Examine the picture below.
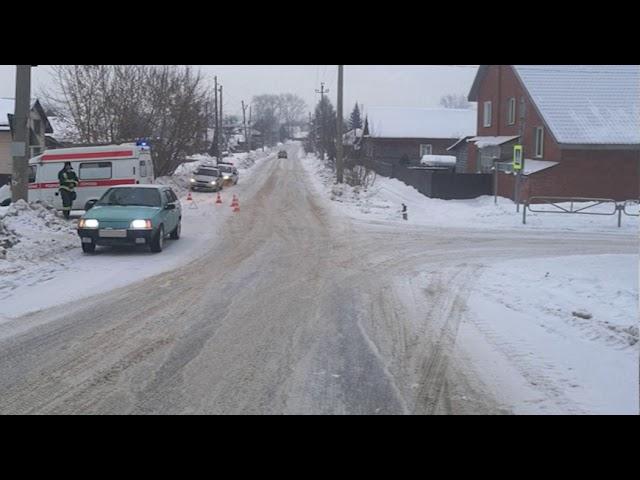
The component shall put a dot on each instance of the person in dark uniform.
(405, 213)
(68, 183)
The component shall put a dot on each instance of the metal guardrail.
(576, 206)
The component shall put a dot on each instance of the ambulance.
(97, 168)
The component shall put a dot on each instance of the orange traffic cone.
(237, 207)
(219, 199)
(234, 202)
(192, 204)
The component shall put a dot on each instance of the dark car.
(283, 154)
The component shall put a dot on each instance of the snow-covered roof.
(482, 142)
(460, 141)
(352, 136)
(63, 129)
(587, 104)
(535, 166)
(6, 109)
(439, 160)
(401, 122)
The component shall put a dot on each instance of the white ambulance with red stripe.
(98, 169)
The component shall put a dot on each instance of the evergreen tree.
(355, 120)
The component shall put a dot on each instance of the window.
(143, 168)
(523, 108)
(173, 196)
(488, 114)
(511, 114)
(140, 197)
(426, 150)
(32, 173)
(539, 142)
(95, 171)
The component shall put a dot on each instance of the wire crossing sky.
(371, 85)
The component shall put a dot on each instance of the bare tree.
(120, 103)
(455, 101)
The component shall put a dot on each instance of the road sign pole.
(518, 166)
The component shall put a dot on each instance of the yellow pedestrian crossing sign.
(517, 158)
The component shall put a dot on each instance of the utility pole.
(339, 146)
(221, 123)
(322, 93)
(19, 147)
(244, 121)
(250, 126)
(216, 133)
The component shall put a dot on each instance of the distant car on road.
(208, 179)
(283, 154)
(229, 173)
(132, 215)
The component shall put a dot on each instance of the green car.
(132, 215)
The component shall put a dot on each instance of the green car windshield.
(128, 197)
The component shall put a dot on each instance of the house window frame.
(487, 114)
(429, 149)
(511, 111)
(539, 142)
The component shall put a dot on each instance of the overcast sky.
(372, 85)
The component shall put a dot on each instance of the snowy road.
(294, 310)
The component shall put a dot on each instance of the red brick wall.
(589, 173)
(499, 85)
(583, 173)
(592, 173)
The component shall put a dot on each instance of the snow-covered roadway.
(293, 309)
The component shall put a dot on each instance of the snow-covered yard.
(41, 263)
(569, 326)
(548, 335)
(383, 202)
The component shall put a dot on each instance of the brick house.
(399, 135)
(579, 126)
(39, 127)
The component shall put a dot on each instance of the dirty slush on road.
(285, 314)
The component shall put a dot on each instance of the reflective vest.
(68, 180)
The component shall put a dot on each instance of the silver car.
(207, 179)
(229, 173)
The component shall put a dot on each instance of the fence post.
(524, 212)
(619, 208)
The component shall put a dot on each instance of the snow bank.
(44, 265)
(21, 238)
(569, 324)
(384, 199)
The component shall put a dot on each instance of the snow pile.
(570, 324)
(30, 234)
(383, 201)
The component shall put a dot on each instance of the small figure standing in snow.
(68, 183)
(405, 213)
